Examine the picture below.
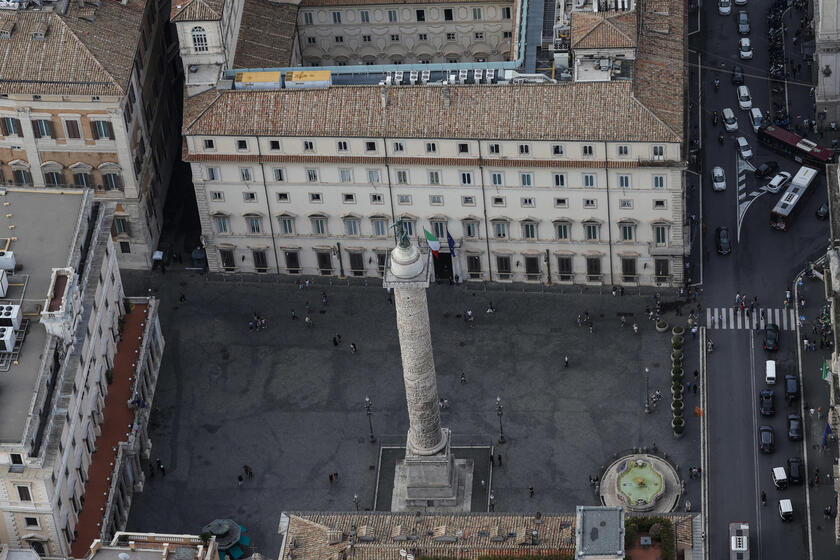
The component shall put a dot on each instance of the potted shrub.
(677, 357)
(677, 341)
(678, 425)
(661, 326)
(677, 377)
(677, 330)
(677, 406)
(676, 387)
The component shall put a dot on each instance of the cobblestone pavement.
(289, 403)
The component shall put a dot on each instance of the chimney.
(447, 96)
(383, 96)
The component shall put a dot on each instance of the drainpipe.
(484, 209)
(340, 262)
(268, 205)
(609, 212)
(390, 193)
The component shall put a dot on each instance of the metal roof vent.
(6, 29)
(40, 31)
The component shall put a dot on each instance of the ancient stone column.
(424, 433)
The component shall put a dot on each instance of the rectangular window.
(590, 203)
(42, 128)
(503, 266)
(479, 35)
(339, 39)
(628, 269)
(409, 227)
(241, 144)
(624, 181)
(593, 269)
(623, 150)
(348, 198)
(249, 196)
(395, 37)
(228, 262)
(319, 226)
(260, 261)
(526, 179)
(370, 146)
(421, 15)
(527, 202)
(380, 227)
(254, 224)
(209, 144)
(422, 37)
(466, 177)
(24, 494)
(561, 202)
(287, 225)
(659, 205)
(659, 181)
(403, 199)
(625, 204)
(471, 229)
(660, 234)
(279, 175)
(463, 148)
(245, 174)
(282, 197)
(308, 146)
(467, 201)
(221, 223)
(559, 179)
(399, 147)
(373, 176)
(495, 149)
(500, 229)
(476, 13)
(661, 269)
(524, 149)
(341, 145)
(447, 14)
(436, 199)
(336, 17)
(431, 147)
(307, 18)
(392, 16)
(498, 201)
(364, 16)
(497, 178)
(125, 247)
(351, 227)
(345, 175)
(627, 232)
(590, 232)
(434, 177)
(312, 175)
(121, 225)
(213, 174)
(557, 149)
(529, 230)
(659, 153)
(562, 230)
(315, 198)
(402, 176)
(274, 145)
(310, 40)
(450, 36)
(102, 130)
(439, 229)
(588, 180)
(587, 150)
(564, 268)
(31, 522)
(366, 39)
(376, 198)
(73, 130)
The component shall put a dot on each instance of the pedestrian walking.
(324, 298)
(331, 478)
(579, 320)
(335, 341)
(183, 298)
(352, 347)
(827, 512)
(695, 374)
(694, 332)
(805, 342)
(335, 476)
(694, 388)
(566, 361)
(239, 480)
(248, 471)
(500, 459)
(483, 484)
(492, 460)
(307, 321)
(530, 491)
(463, 378)
(294, 315)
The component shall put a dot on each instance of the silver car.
(744, 148)
(730, 123)
(724, 7)
(778, 182)
(745, 48)
(718, 179)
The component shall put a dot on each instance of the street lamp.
(500, 412)
(369, 410)
(356, 501)
(647, 392)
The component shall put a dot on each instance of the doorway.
(443, 267)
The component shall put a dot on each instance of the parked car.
(756, 118)
(718, 179)
(744, 98)
(766, 439)
(766, 169)
(778, 182)
(730, 123)
(724, 7)
(771, 337)
(794, 467)
(724, 246)
(737, 75)
(794, 423)
(740, 2)
(745, 48)
(744, 148)
(767, 402)
(743, 20)
(791, 388)
(822, 211)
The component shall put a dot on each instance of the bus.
(801, 149)
(792, 199)
(739, 541)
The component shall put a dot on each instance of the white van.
(770, 372)
(756, 118)
(786, 510)
(780, 479)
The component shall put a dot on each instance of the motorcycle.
(710, 346)
(715, 118)
(721, 138)
(716, 83)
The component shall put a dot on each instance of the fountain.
(641, 483)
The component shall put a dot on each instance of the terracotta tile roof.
(597, 111)
(661, 65)
(383, 535)
(265, 34)
(612, 30)
(87, 51)
(319, 3)
(196, 10)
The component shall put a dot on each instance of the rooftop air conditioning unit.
(4, 283)
(477, 75)
(7, 339)
(7, 260)
(491, 73)
(10, 316)
(424, 76)
(412, 77)
(398, 77)
(462, 76)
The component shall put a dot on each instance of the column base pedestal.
(433, 483)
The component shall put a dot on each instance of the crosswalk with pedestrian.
(729, 318)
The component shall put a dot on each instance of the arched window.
(199, 38)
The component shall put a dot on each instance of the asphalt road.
(763, 263)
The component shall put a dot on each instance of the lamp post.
(369, 410)
(500, 412)
(647, 392)
(356, 501)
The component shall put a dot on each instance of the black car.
(794, 465)
(791, 388)
(766, 169)
(743, 20)
(771, 336)
(822, 211)
(766, 439)
(724, 247)
(794, 427)
(737, 75)
(767, 402)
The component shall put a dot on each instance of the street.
(763, 263)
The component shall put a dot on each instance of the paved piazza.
(289, 404)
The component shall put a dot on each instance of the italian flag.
(433, 242)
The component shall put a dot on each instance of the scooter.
(714, 118)
(721, 138)
(710, 346)
(716, 84)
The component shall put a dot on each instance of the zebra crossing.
(729, 318)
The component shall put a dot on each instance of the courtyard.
(290, 404)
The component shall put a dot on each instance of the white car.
(745, 48)
(744, 98)
(778, 182)
(740, 2)
(718, 179)
(724, 7)
(730, 123)
(743, 147)
(756, 118)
